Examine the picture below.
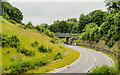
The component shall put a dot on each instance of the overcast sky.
(47, 11)
(56, 0)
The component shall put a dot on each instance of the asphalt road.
(87, 61)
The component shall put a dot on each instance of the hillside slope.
(10, 56)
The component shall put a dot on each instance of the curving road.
(88, 60)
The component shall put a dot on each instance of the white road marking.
(90, 67)
(108, 57)
(68, 66)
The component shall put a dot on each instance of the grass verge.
(70, 58)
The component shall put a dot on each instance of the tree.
(70, 25)
(83, 20)
(97, 16)
(104, 28)
(117, 26)
(75, 28)
(53, 28)
(59, 26)
(10, 12)
(72, 19)
(112, 4)
(91, 32)
(44, 25)
(39, 28)
(29, 25)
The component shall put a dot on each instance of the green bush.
(26, 51)
(42, 48)
(49, 49)
(24, 66)
(54, 41)
(104, 69)
(29, 25)
(39, 28)
(47, 32)
(50, 34)
(35, 43)
(110, 44)
(76, 41)
(12, 41)
(58, 56)
(12, 21)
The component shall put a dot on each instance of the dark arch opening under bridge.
(69, 37)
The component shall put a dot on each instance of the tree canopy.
(11, 13)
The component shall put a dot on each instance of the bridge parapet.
(69, 37)
(66, 35)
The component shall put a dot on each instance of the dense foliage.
(11, 41)
(42, 48)
(95, 25)
(11, 13)
(58, 56)
(26, 51)
(35, 43)
(24, 66)
(104, 70)
(62, 26)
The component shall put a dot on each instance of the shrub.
(39, 28)
(53, 41)
(29, 25)
(104, 69)
(12, 21)
(49, 49)
(12, 41)
(50, 34)
(110, 44)
(35, 43)
(22, 66)
(76, 41)
(47, 32)
(26, 51)
(44, 49)
(58, 56)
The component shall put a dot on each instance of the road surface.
(87, 61)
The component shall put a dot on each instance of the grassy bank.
(70, 58)
(10, 56)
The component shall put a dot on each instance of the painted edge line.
(63, 68)
(90, 67)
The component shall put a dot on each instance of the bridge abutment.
(69, 37)
(69, 40)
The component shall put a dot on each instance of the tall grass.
(27, 37)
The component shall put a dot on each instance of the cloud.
(47, 12)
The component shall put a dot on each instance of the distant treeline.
(93, 26)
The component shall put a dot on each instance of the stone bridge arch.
(69, 37)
